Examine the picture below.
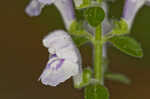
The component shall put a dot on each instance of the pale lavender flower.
(131, 8)
(64, 61)
(65, 7)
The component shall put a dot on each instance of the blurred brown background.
(22, 56)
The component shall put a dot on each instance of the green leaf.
(127, 45)
(79, 35)
(121, 28)
(76, 28)
(96, 91)
(117, 77)
(94, 15)
(80, 40)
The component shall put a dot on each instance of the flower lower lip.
(61, 61)
(60, 64)
(49, 64)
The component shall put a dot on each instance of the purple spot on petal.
(49, 64)
(53, 55)
(60, 64)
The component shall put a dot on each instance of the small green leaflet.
(96, 91)
(79, 40)
(79, 35)
(76, 28)
(127, 45)
(120, 28)
(94, 16)
(117, 77)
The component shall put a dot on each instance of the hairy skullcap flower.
(64, 60)
(65, 7)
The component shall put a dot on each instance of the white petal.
(69, 52)
(52, 76)
(56, 39)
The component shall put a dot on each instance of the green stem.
(98, 55)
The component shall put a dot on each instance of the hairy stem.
(98, 55)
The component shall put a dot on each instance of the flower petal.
(70, 53)
(60, 42)
(34, 8)
(65, 7)
(61, 46)
(57, 71)
(55, 38)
